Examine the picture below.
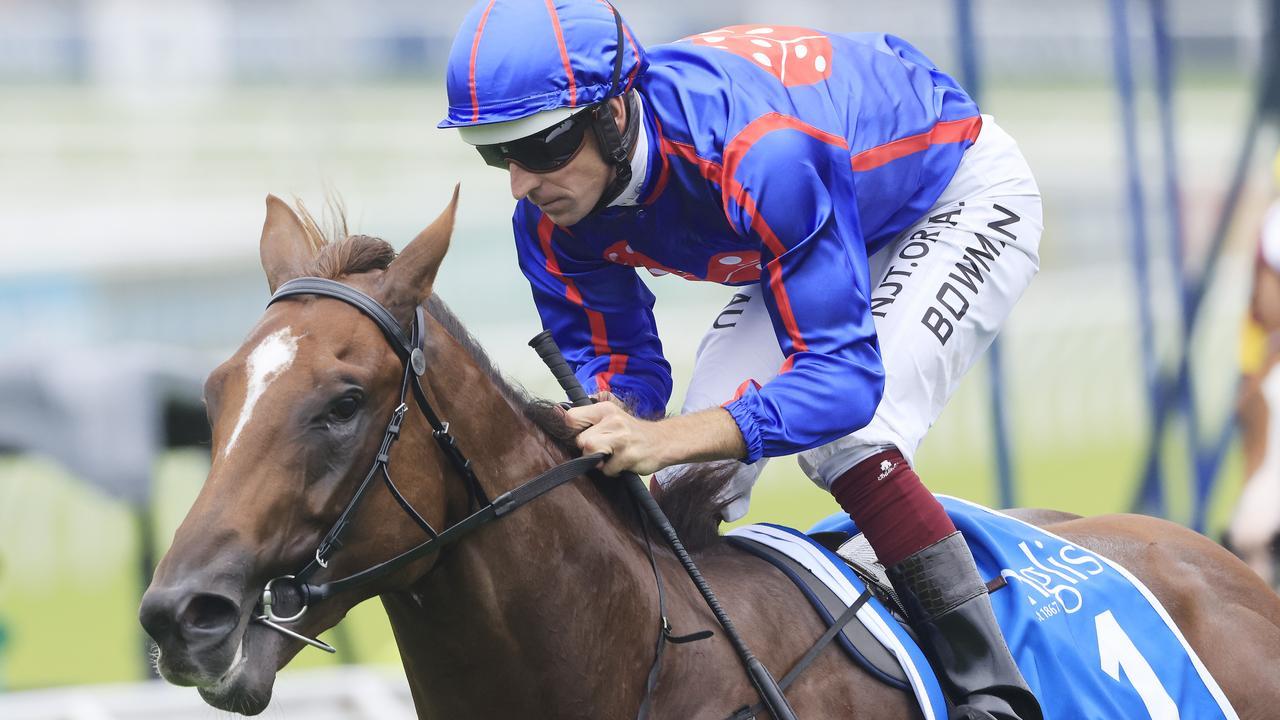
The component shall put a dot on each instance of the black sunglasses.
(543, 151)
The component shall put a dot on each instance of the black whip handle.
(546, 347)
(766, 685)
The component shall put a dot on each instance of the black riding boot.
(947, 604)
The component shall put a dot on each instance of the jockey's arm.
(645, 446)
(792, 191)
(600, 314)
(814, 283)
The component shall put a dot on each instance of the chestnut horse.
(551, 611)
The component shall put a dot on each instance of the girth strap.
(812, 654)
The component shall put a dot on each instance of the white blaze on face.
(272, 357)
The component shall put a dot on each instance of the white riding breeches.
(941, 290)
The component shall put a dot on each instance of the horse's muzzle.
(196, 631)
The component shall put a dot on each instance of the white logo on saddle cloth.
(1056, 576)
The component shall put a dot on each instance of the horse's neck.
(547, 607)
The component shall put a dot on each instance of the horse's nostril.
(209, 615)
(156, 615)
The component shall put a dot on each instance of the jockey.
(876, 229)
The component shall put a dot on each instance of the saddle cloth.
(1090, 638)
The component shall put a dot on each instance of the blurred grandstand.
(138, 139)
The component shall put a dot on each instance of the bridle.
(410, 351)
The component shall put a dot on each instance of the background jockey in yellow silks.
(1255, 525)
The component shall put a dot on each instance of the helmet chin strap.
(616, 147)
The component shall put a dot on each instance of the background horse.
(551, 612)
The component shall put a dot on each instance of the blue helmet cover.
(514, 58)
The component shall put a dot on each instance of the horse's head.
(298, 414)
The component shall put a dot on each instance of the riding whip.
(766, 685)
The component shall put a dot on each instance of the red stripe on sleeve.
(617, 366)
(709, 170)
(742, 390)
(736, 148)
(732, 189)
(475, 47)
(942, 133)
(564, 54)
(741, 144)
(776, 286)
(599, 335)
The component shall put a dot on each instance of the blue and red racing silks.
(777, 155)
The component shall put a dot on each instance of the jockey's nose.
(522, 181)
(193, 618)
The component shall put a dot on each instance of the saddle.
(855, 637)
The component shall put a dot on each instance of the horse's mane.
(691, 500)
(337, 251)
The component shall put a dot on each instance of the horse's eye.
(345, 408)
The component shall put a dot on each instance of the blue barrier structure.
(1169, 385)
(1172, 393)
(1152, 484)
(971, 79)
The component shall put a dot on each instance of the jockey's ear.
(285, 248)
(619, 106)
(410, 277)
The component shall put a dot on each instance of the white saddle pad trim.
(821, 566)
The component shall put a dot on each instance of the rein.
(410, 351)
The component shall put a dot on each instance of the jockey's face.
(566, 195)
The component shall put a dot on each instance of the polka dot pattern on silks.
(794, 55)
(729, 268)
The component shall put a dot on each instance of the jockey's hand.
(602, 396)
(631, 443)
(644, 446)
(606, 396)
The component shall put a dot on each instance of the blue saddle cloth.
(1090, 638)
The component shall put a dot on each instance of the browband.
(372, 308)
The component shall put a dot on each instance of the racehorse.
(551, 611)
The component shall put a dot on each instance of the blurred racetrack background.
(138, 140)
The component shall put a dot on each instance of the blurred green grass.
(69, 580)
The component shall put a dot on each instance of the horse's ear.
(413, 272)
(284, 247)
